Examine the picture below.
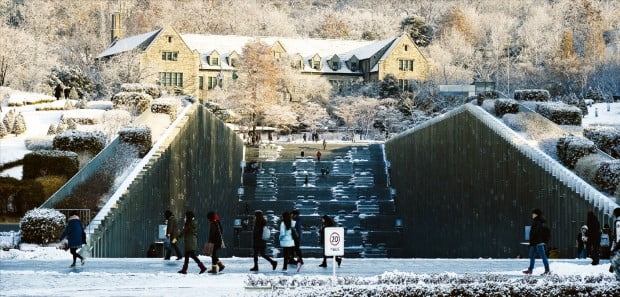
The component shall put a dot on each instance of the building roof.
(140, 42)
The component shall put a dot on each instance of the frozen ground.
(46, 272)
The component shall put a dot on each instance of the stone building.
(197, 63)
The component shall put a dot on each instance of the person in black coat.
(58, 91)
(582, 240)
(215, 237)
(298, 229)
(74, 233)
(594, 237)
(172, 234)
(258, 243)
(537, 242)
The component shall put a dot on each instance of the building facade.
(196, 64)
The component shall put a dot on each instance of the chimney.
(117, 26)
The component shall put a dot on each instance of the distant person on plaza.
(537, 242)
(304, 136)
(594, 237)
(58, 91)
(297, 249)
(606, 242)
(74, 233)
(67, 91)
(286, 239)
(302, 153)
(258, 243)
(582, 240)
(327, 222)
(318, 156)
(215, 237)
(172, 234)
(190, 233)
(324, 144)
(615, 246)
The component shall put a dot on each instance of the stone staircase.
(350, 186)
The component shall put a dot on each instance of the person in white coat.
(286, 238)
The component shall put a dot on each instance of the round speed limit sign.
(334, 241)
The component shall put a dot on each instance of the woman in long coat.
(258, 243)
(215, 237)
(327, 222)
(594, 237)
(189, 233)
(73, 233)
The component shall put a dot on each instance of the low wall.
(195, 166)
(466, 184)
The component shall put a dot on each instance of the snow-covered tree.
(9, 119)
(3, 130)
(68, 105)
(61, 128)
(51, 130)
(114, 120)
(19, 126)
(71, 124)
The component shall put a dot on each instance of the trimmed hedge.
(79, 141)
(139, 136)
(54, 162)
(504, 106)
(168, 106)
(608, 176)
(572, 148)
(532, 95)
(151, 89)
(606, 138)
(42, 225)
(138, 102)
(560, 113)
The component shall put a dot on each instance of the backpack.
(604, 240)
(546, 233)
(266, 233)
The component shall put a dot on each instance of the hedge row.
(46, 162)
(572, 148)
(504, 106)
(532, 95)
(82, 119)
(80, 141)
(608, 176)
(138, 102)
(42, 225)
(606, 138)
(560, 113)
(168, 106)
(152, 89)
(139, 136)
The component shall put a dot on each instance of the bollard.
(596, 112)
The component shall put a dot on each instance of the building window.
(201, 82)
(277, 55)
(169, 39)
(405, 65)
(335, 65)
(211, 82)
(233, 62)
(405, 84)
(215, 61)
(171, 79)
(406, 47)
(298, 64)
(353, 66)
(316, 64)
(169, 56)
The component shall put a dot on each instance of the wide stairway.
(354, 193)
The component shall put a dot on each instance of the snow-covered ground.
(604, 118)
(46, 272)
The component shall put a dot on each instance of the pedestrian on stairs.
(318, 156)
(74, 233)
(216, 238)
(259, 242)
(327, 222)
(189, 233)
(286, 239)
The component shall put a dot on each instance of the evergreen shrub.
(139, 136)
(606, 138)
(532, 95)
(80, 141)
(572, 148)
(504, 106)
(560, 113)
(42, 225)
(50, 162)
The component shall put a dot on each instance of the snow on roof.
(129, 43)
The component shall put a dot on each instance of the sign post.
(334, 244)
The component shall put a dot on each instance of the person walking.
(537, 242)
(58, 91)
(302, 154)
(594, 237)
(171, 236)
(298, 229)
(318, 156)
(66, 92)
(606, 242)
(259, 243)
(189, 233)
(327, 222)
(615, 245)
(215, 237)
(286, 239)
(324, 144)
(74, 233)
(582, 240)
(305, 137)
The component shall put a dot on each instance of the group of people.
(59, 91)
(591, 241)
(189, 233)
(290, 239)
(318, 155)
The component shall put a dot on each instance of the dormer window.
(298, 64)
(316, 64)
(353, 66)
(233, 62)
(335, 65)
(215, 61)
